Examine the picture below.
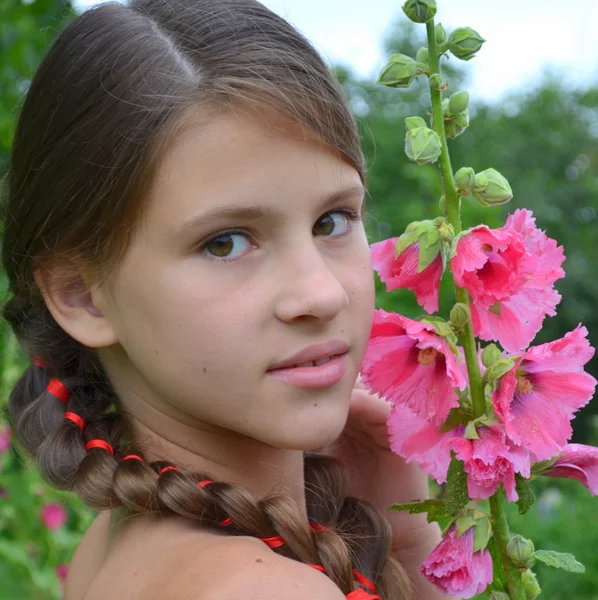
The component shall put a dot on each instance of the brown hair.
(112, 93)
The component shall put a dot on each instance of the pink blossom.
(580, 462)
(490, 460)
(455, 568)
(537, 399)
(401, 272)
(61, 571)
(53, 515)
(407, 362)
(509, 273)
(416, 439)
(4, 439)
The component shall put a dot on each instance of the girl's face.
(207, 301)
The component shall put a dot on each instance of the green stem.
(454, 217)
(500, 530)
(453, 202)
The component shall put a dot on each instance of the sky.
(524, 37)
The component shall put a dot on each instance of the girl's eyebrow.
(258, 211)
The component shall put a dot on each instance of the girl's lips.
(325, 375)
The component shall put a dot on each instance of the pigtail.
(345, 538)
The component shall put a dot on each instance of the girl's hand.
(376, 474)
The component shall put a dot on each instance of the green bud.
(464, 42)
(490, 355)
(420, 11)
(422, 145)
(422, 55)
(460, 315)
(490, 188)
(530, 585)
(464, 179)
(458, 102)
(520, 551)
(413, 122)
(462, 120)
(443, 205)
(399, 72)
(498, 596)
(440, 34)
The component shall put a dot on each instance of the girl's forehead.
(236, 157)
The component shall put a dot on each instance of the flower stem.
(453, 202)
(500, 530)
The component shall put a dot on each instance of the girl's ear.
(80, 309)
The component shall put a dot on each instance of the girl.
(191, 278)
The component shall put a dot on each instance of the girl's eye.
(222, 247)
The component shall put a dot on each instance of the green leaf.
(526, 494)
(559, 560)
(457, 495)
(436, 509)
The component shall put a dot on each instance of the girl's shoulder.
(121, 554)
(145, 558)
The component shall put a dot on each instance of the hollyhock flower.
(490, 460)
(416, 439)
(580, 462)
(4, 439)
(407, 362)
(455, 569)
(61, 571)
(53, 515)
(536, 400)
(509, 273)
(401, 272)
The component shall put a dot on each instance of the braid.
(84, 448)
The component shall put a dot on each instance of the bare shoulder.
(243, 568)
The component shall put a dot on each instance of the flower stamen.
(524, 386)
(427, 356)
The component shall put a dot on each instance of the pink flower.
(491, 460)
(455, 569)
(580, 462)
(407, 362)
(4, 439)
(61, 572)
(509, 273)
(416, 439)
(537, 399)
(53, 515)
(401, 272)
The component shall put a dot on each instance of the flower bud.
(422, 55)
(498, 596)
(420, 11)
(422, 145)
(491, 188)
(464, 42)
(464, 179)
(462, 120)
(443, 205)
(399, 72)
(458, 102)
(440, 34)
(520, 551)
(460, 315)
(490, 355)
(530, 585)
(413, 122)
